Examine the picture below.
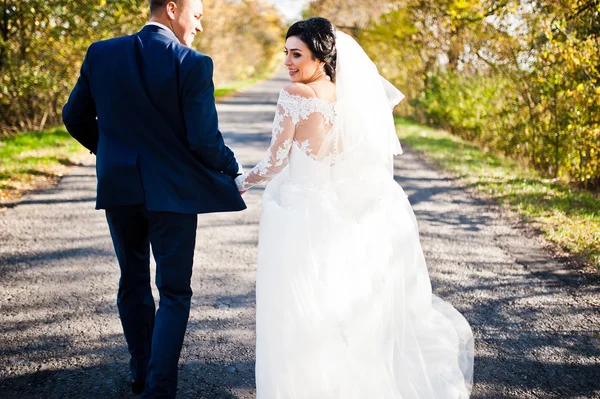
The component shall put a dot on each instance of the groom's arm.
(201, 121)
(79, 113)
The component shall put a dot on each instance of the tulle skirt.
(344, 302)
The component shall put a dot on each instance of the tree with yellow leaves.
(520, 77)
(43, 42)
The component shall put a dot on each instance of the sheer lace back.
(314, 119)
(306, 122)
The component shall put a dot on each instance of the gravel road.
(536, 323)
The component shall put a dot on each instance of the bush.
(43, 43)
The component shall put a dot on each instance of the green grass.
(34, 160)
(232, 88)
(567, 216)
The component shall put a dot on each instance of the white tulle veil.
(364, 105)
(366, 133)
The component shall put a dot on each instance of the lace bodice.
(307, 122)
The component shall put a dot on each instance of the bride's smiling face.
(302, 66)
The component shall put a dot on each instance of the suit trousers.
(154, 339)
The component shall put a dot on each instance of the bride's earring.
(322, 67)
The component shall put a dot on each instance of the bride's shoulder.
(300, 90)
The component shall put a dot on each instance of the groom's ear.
(171, 7)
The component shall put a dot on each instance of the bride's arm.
(284, 129)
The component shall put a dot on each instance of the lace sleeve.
(284, 127)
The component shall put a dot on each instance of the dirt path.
(537, 328)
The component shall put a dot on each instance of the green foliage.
(41, 48)
(521, 78)
(43, 43)
(465, 105)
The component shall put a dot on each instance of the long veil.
(366, 133)
(432, 344)
(364, 105)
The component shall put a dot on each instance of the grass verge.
(35, 160)
(232, 88)
(567, 216)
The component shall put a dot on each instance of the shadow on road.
(110, 380)
(65, 339)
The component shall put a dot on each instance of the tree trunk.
(43, 121)
(4, 33)
(556, 132)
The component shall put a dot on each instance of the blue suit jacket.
(144, 104)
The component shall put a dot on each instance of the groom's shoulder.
(192, 56)
(193, 60)
(109, 44)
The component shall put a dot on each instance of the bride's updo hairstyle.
(319, 35)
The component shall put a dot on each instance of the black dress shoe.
(137, 387)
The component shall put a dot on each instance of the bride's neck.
(318, 77)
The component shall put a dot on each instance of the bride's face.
(302, 66)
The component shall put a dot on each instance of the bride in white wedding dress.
(344, 302)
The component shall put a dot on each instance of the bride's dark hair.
(319, 35)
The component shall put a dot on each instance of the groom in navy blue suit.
(144, 104)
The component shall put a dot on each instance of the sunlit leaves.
(522, 77)
(244, 38)
(43, 42)
(42, 46)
